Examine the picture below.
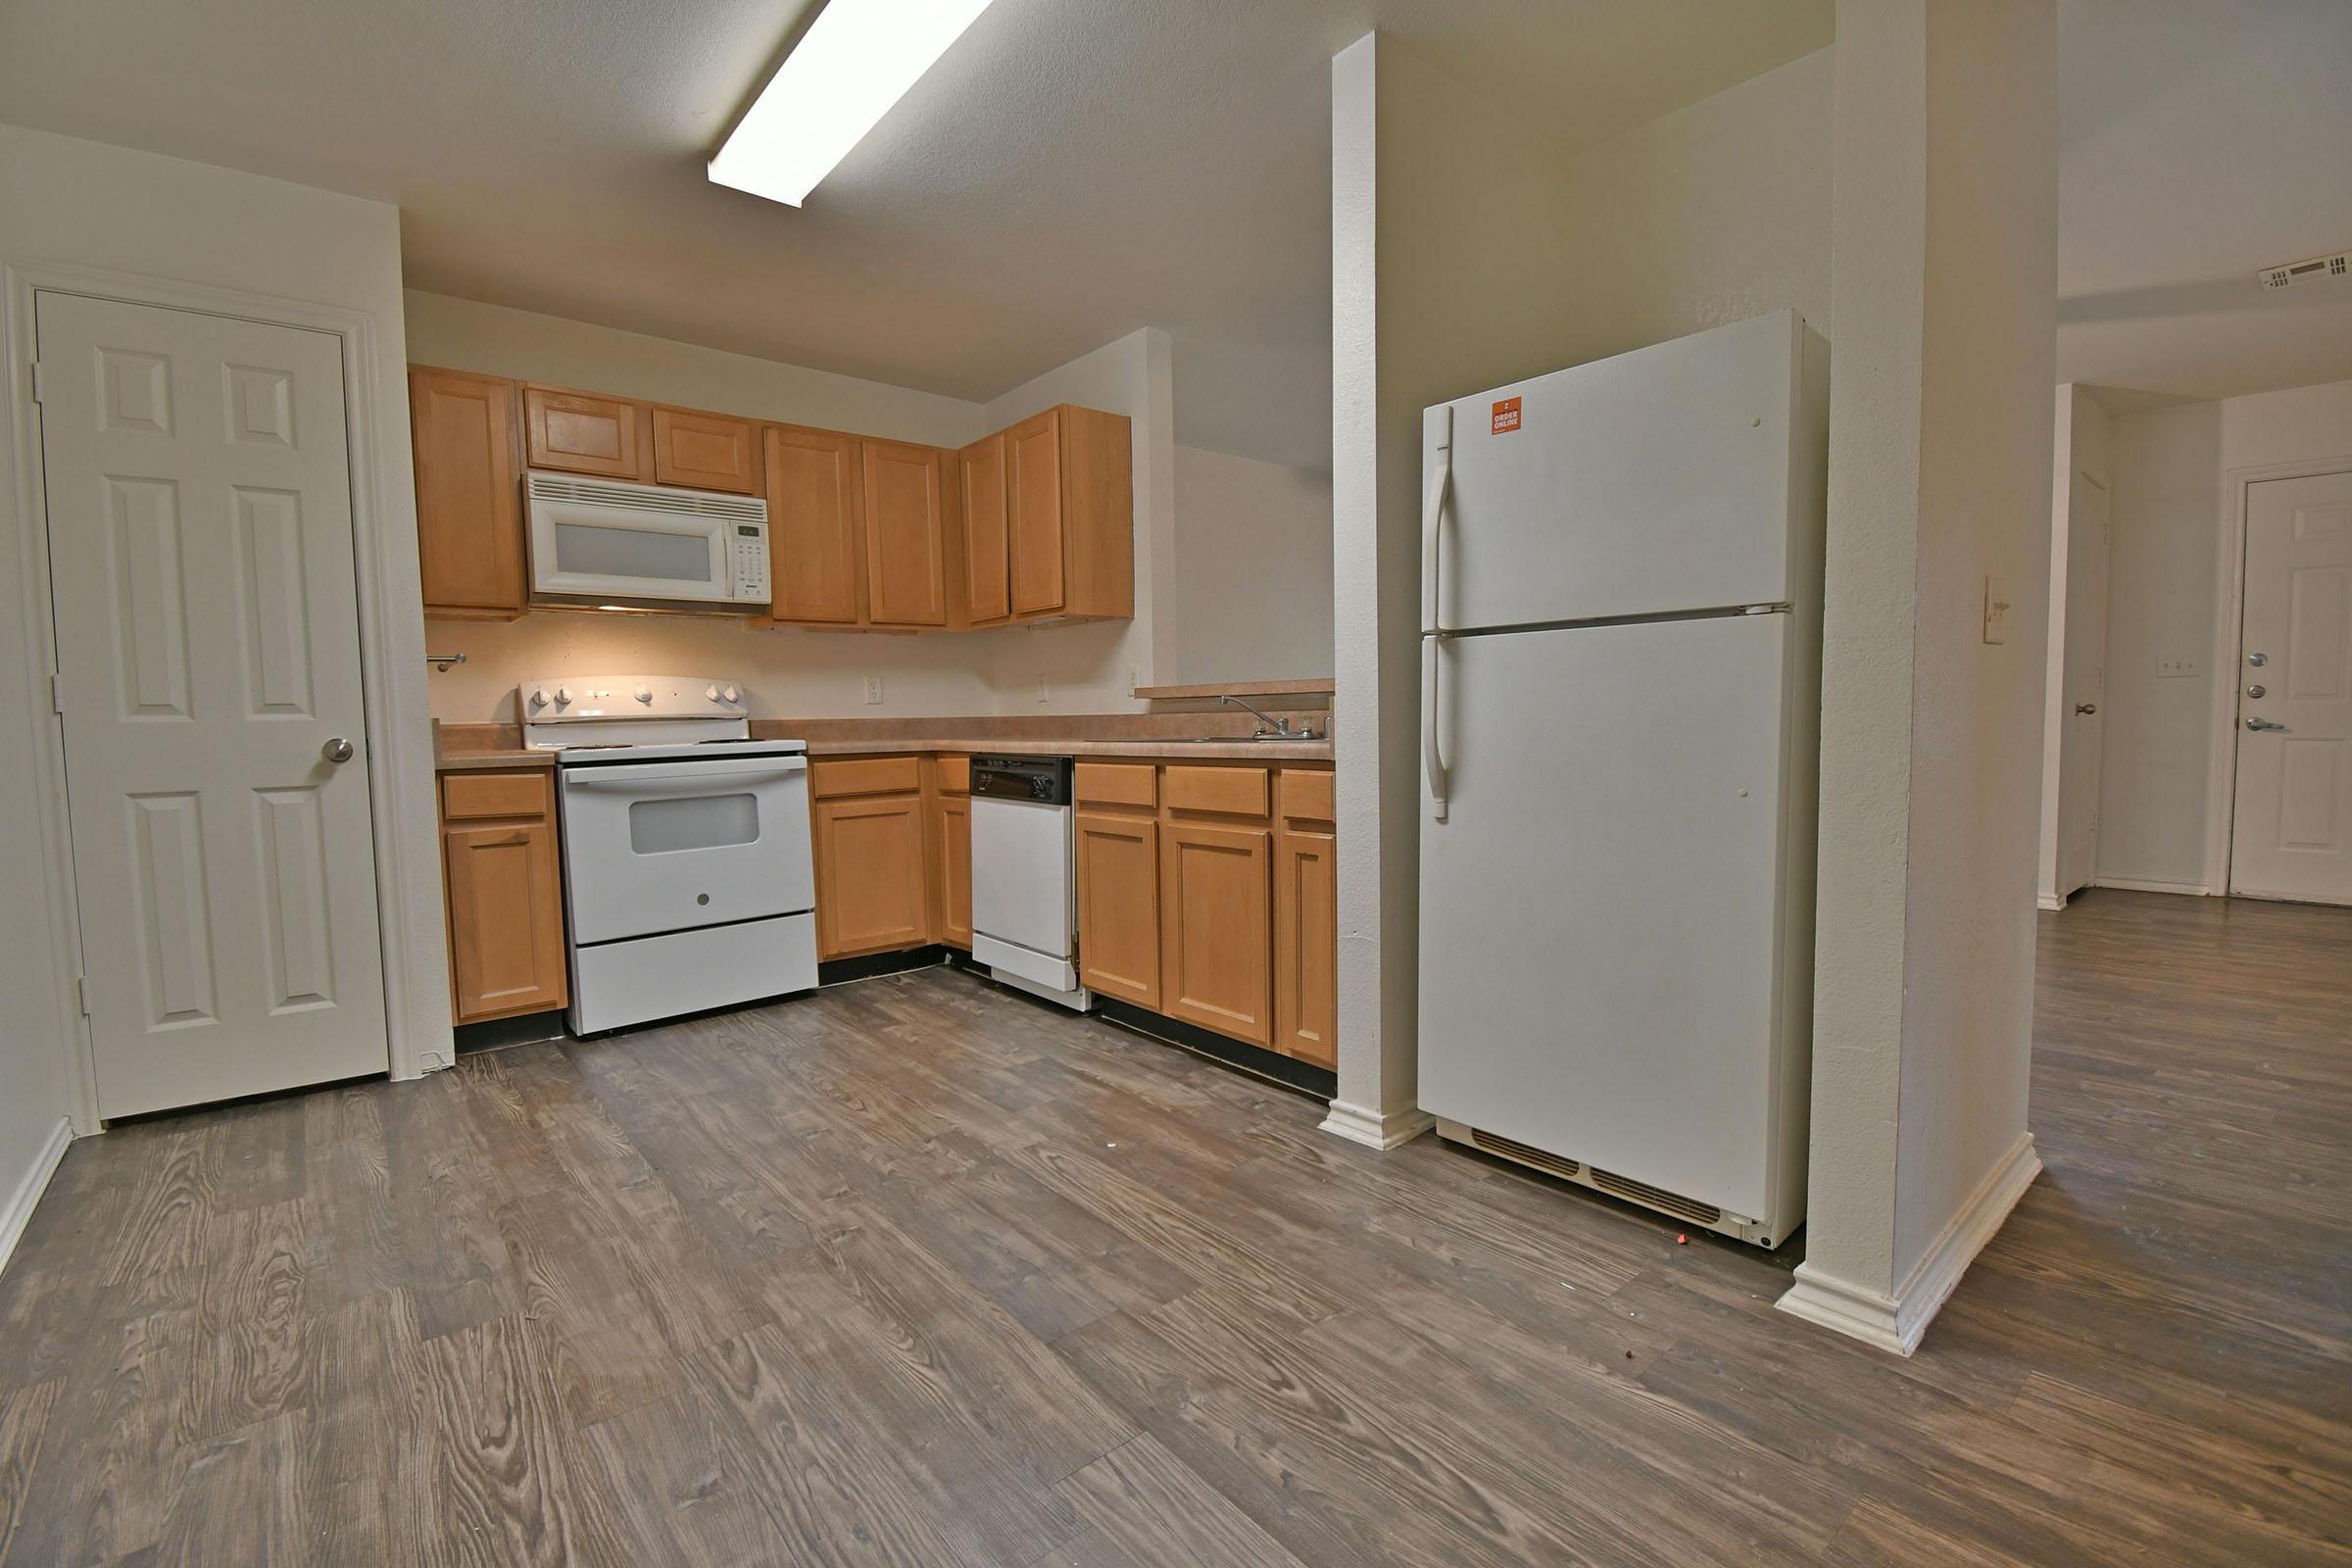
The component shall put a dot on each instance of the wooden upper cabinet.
(581, 432)
(469, 495)
(1070, 515)
(706, 450)
(985, 589)
(1034, 522)
(814, 490)
(906, 535)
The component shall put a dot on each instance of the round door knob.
(644, 696)
(563, 695)
(538, 698)
(337, 750)
(2086, 708)
(2258, 691)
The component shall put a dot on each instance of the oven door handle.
(668, 778)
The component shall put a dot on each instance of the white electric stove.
(687, 872)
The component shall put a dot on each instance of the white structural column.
(1943, 281)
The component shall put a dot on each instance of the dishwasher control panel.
(1045, 780)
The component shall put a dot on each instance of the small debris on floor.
(1682, 1240)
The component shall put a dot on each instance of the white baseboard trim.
(1896, 1322)
(2136, 884)
(2049, 901)
(1375, 1129)
(20, 1203)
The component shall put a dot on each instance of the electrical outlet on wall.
(2178, 667)
(1996, 608)
(1040, 690)
(873, 688)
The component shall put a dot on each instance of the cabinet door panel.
(506, 919)
(985, 559)
(1034, 522)
(1217, 942)
(1118, 907)
(579, 432)
(954, 818)
(469, 494)
(906, 541)
(1306, 932)
(706, 450)
(870, 875)
(812, 505)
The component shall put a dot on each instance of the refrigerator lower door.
(1602, 920)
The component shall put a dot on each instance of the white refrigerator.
(1620, 706)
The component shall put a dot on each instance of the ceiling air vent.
(2308, 271)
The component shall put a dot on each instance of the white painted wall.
(1252, 598)
(792, 673)
(1944, 275)
(2169, 759)
(1464, 254)
(66, 201)
(2082, 439)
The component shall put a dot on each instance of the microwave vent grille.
(548, 487)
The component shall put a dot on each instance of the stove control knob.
(732, 694)
(538, 698)
(645, 696)
(710, 692)
(563, 695)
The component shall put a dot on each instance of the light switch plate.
(2179, 668)
(873, 688)
(1996, 608)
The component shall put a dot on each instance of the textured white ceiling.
(2200, 141)
(1071, 171)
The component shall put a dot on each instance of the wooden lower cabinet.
(1118, 907)
(1306, 940)
(1216, 928)
(871, 876)
(952, 850)
(502, 874)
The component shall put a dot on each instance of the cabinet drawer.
(1117, 784)
(1306, 794)
(866, 775)
(1235, 791)
(956, 775)
(477, 795)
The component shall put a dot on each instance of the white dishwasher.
(1025, 876)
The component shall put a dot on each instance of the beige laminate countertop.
(460, 760)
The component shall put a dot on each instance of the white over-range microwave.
(598, 541)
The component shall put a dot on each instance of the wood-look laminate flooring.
(918, 1272)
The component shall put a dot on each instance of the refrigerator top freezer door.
(1602, 933)
(1663, 480)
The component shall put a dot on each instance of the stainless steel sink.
(1237, 740)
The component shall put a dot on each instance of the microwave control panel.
(750, 561)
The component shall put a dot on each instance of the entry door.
(208, 647)
(2085, 682)
(2293, 834)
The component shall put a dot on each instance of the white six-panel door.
(208, 648)
(2292, 838)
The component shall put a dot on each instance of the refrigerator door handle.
(1440, 448)
(1433, 765)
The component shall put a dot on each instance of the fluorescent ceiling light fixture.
(856, 60)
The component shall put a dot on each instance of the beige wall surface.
(2168, 759)
(1252, 598)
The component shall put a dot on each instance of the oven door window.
(693, 822)
(588, 549)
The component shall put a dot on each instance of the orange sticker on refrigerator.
(1506, 416)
